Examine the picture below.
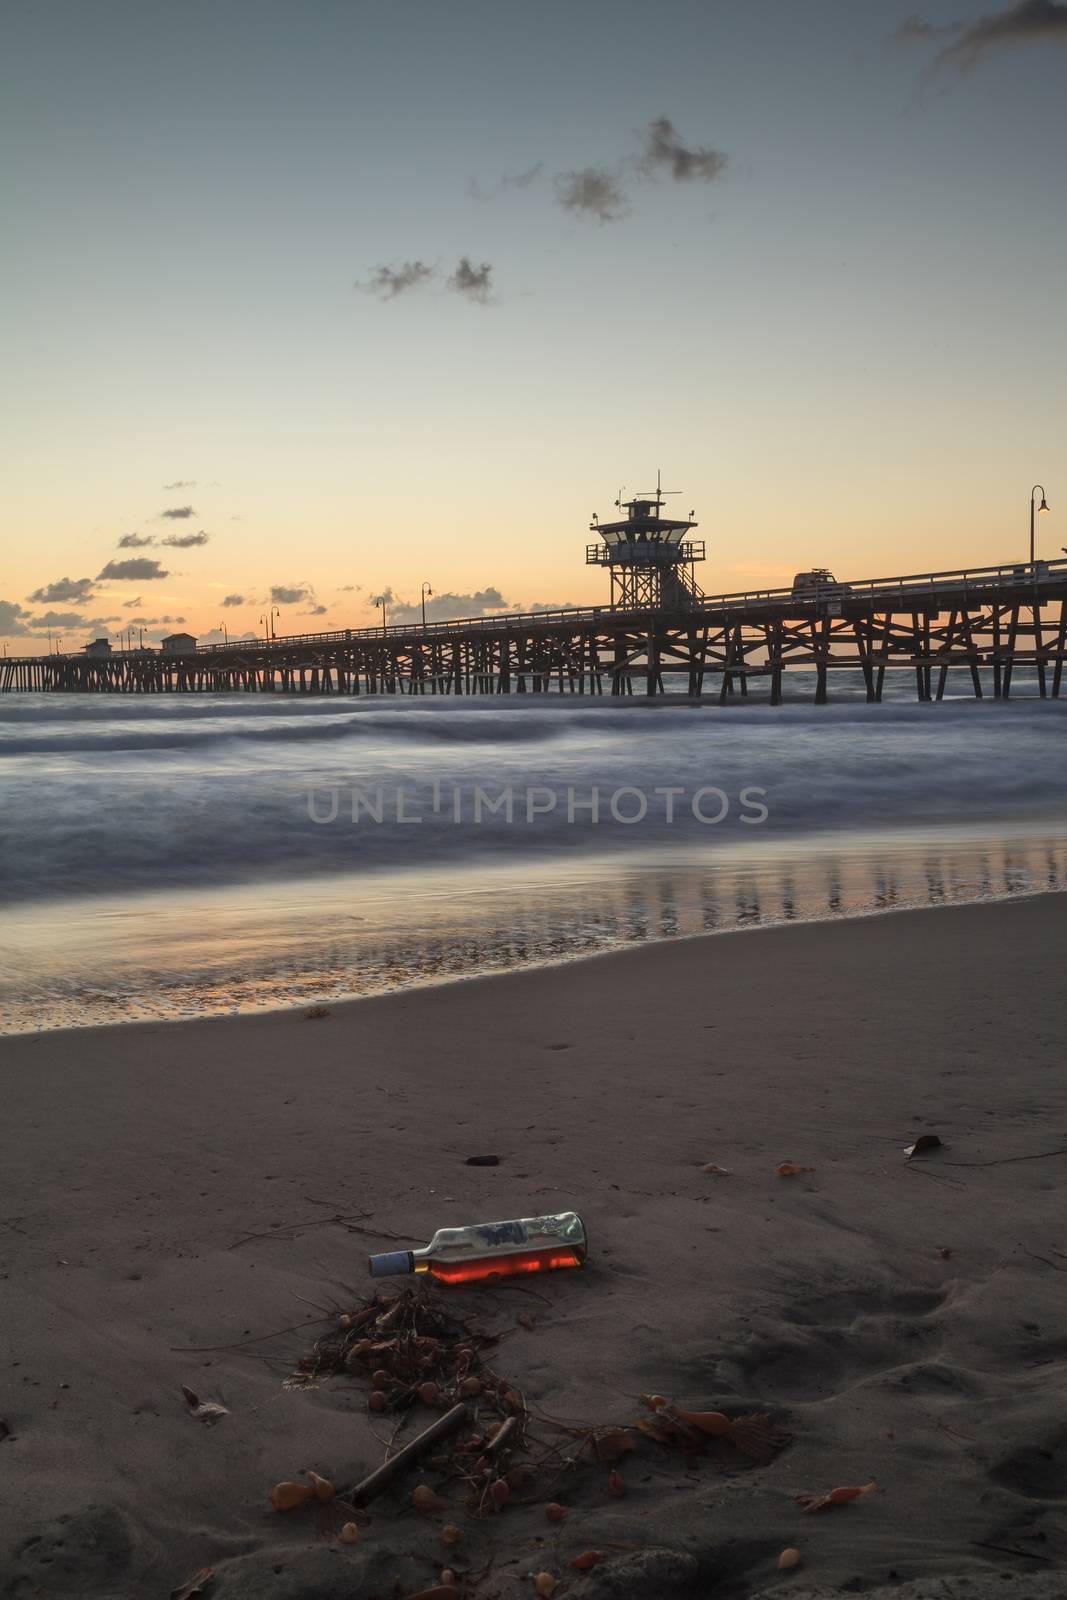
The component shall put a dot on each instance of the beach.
(177, 1194)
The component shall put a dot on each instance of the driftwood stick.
(501, 1436)
(372, 1485)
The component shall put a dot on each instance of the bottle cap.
(392, 1261)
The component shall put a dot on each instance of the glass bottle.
(492, 1249)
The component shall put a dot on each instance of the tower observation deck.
(648, 555)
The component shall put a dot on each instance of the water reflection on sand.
(200, 952)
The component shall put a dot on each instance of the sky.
(308, 301)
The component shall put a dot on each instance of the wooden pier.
(982, 623)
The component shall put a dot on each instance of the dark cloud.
(13, 619)
(665, 152)
(283, 596)
(388, 282)
(136, 567)
(914, 27)
(592, 192)
(234, 600)
(350, 588)
(153, 622)
(129, 605)
(181, 483)
(178, 513)
(1028, 22)
(135, 541)
(472, 281)
(186, 541)
(549, 605)
(443, 607)
(60, 619)
(316, 611)
(508, 180)
(79, 589)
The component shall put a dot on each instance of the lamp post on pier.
(1042, 510)
(426, 590)
(379, 600)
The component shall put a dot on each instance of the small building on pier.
(179, 644)
(98, 647)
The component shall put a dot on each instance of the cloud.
(350, 588)
(1028, 22)
(443, 607)
(178, 513)
(316, 611)
(181, 483)
(79, 589)
(135, 541)
(130, 605)
(914, 27)
(474, 282)
(234, 600)
(388, 282)
(186, 541)
(283, 596)
(152, 622)
(137, 567)
(592, 192)
(664, 151)
(513, 180)
(60, 619)
(549, 605)
(13, 619)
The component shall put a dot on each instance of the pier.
(995, 619)
(660, 634)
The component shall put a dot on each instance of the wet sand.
(168, 1188)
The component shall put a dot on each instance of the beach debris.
(324, 1489)
(447, 1575)
(789, 1169)
(313, 1013)
(748, 1440)
(608, 1445)
(790, 1557)
(587, 1560)
(423, 1498)
(835, 1497)
(945, 1253)
(555, 1512)
(451, 1534)
(716, 1171)
(194, 1585)
(287, 1496)
(349, 1533)
(373, 1484)
(925, 1141)
(500, 1493)
(491, 1250)
(616, 1484)
(208, 1411)
(545, 1584)
(483, 1161)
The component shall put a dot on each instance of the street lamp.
(426, 590)
(225, 635)
(379, 600)
(1042, 510)
(268, 624)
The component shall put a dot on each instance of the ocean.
(184, 855)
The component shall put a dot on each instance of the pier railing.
(965, 581)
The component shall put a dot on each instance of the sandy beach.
(173, 1190)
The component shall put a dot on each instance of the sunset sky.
(370, 295)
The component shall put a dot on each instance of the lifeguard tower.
(650, 559)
